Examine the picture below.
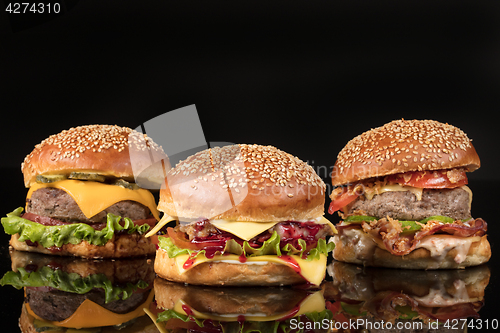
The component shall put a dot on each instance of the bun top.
(402, 146)
(243, 183)
(101, 149)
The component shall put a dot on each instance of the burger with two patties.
(401, 190)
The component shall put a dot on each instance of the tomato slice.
(431, 179)
(344, 199)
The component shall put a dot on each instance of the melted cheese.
(393, 188)
(248, 230)
(245, 230)
(312, 303)
(467, 189)
(438, 245)
(440, 297)
(90, 314)
(313, 271)
(94, 197)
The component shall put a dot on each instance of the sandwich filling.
(292, 243)
(71, 211)
(400, 212)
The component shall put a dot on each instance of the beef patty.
(403, 205)
(57, 204)
(56, 305)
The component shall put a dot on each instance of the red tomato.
(345, 199)
(430, 179)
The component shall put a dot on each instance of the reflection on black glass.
(414, 300)
(64, 293)
(181, 308)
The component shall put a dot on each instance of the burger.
(188, 308)
(82, 199)
(401, 191)
(64, 294)
(392, 296)
(246, 215)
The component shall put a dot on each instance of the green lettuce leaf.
(74, 233)
(251, 326)
(269, 247)
(70, 282)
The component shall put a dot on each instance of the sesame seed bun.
(244, 183)
(401, 146)
(98, 148)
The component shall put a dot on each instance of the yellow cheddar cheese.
(94, 197)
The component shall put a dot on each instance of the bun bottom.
(347, 250)
(227, 274)
(121, 246)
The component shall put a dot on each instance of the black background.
(303, 76)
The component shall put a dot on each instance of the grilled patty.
(404, 205)
(56, 305)
(57, 204)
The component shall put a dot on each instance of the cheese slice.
(94, 197)
(313, 302)
(245, 230)
(164, 220)
(394, 188)
(313, 271)
(90, 314)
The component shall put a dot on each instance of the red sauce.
(292, 313)
(241, 319)
(292, 262)
(187, 309)
(189, 262)
(242, 258)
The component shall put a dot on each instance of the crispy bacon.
(389, 230)
(383, 306)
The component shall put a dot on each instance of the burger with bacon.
(392, 296)
(401, 190)
(82, 198)
(247, 215)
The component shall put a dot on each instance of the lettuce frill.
(75, 233)
(269, 247)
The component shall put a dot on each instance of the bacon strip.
(389, 231)
(383, 306)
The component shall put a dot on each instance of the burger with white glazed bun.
(82, 199)
(401, 190)
(247, 215)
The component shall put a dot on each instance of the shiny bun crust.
(121, 246)
(97, 148)
(263, 182)
(226, 274)
(345, 251)
(402, 146)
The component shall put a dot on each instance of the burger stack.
(249, 221)
(401, 192)
(403, 196)
(242, 244)
(84, 219)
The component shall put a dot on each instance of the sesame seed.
(395, 142)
